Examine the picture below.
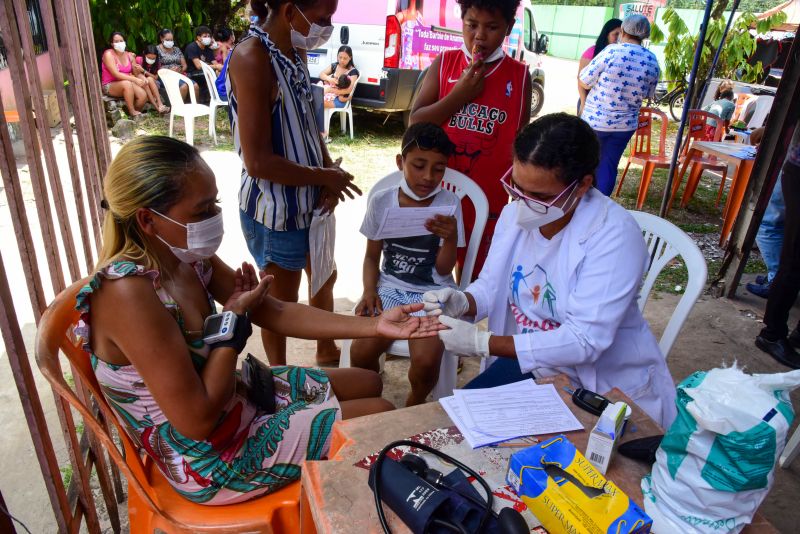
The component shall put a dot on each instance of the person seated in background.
(198, 52)
(170, 57)
(561, 283)
(226, 41)
(118, 78)
(336, 93)
(148, 62)
(411, 265)
(178, 396)
(723, 107)
(330, 77)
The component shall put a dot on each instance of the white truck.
(395, 41)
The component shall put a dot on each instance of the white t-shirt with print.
(538, 287)
(621, 76)
(409, 263)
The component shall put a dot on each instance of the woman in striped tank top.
(287, 171)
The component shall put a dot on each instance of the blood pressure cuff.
(417, 503)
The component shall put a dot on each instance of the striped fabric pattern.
(294, 137)
(391, 297)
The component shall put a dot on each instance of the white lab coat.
(604, 336)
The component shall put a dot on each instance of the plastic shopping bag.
(321, 241)
(716, 462)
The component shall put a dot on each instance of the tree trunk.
(718, 10)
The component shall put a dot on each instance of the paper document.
(409, 222)
(491, 415)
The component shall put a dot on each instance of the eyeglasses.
(534, 204)
(423, 142)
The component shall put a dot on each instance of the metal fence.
(64, 223)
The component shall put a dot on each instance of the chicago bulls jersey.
(483, 131)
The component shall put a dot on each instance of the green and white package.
(717, 460)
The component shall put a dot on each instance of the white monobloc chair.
(665, 241)
(178, 107)
(344, 113)
(462, 186)
(216, 101)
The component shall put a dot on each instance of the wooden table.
(727, 152)
(335, 497)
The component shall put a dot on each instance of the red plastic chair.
(699, 130)
(642, 151)
(152, 503)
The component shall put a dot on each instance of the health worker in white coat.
(561, 280)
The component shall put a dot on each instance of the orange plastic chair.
(152, 503)
(642, 151)
(698, 130)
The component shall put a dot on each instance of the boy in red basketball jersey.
(481, 97)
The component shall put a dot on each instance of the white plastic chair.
(346, 110)
(462, 186)
(216, 101)
(178, 107)
(665, 241)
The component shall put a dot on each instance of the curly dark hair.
(559, 142)
(427, 136)
(507, 8)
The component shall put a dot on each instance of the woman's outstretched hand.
(248, 291)
(396, 323)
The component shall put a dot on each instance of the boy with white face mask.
(561, 282)
(197, 52)
(415, 264)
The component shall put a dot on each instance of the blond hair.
(149, 172)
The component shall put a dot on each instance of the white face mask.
(202, 238)
(150, 61)
(317, 35)
(405, 188)
(494, 56)
(206, 41)
(168, 44)
(120, 46)
(214, 45)
(529, 219)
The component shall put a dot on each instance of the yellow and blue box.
(567, 494)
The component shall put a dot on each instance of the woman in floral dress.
(178, 398)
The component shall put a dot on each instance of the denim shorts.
(288, 250)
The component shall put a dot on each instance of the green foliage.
(739, 46)
(753, 6)
(586, 3)
(141, 20)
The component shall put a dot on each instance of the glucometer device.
(588, 400)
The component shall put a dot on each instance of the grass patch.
(699, 228)
(155, 124)
(66, 474)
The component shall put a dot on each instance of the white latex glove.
(464, 338)
(447, 301)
